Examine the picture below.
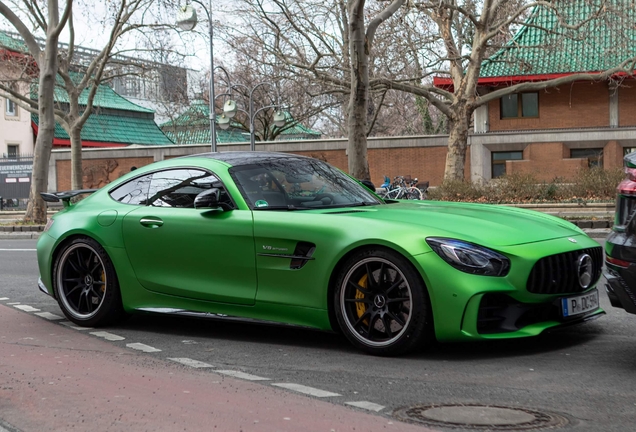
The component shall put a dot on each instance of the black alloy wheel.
(86, 284)
(382, 305)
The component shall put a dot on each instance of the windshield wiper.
(287, 207)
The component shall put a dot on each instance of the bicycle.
(403, 188)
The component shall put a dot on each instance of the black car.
(620, 246)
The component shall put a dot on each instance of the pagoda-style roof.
(193, 127)
(542, 49)
(112, 130)
(115, 121)
(11, 44)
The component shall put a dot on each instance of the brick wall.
(546, 161)
(98, 172)
(626, 104)
(564, 107)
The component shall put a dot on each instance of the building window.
(13, 151)
(520, 105)
(628, 150)
(499, 159)
(594, 156)
(10, 108)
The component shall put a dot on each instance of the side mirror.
(208, 199)
(369, 185)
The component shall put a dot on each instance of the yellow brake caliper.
(361, 308)
(103, 280)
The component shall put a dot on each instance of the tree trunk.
(36, 208)
(358, 101)
(77, 174)
(458, 127)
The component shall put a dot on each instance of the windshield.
(296, 184)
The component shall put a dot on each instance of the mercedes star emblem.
(584, 266)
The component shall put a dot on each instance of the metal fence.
(15, 181)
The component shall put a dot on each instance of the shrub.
(590, 184)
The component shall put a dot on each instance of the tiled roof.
(121, 129)
(598, 45)
(12, 44)
(105, 97)
(193, 127)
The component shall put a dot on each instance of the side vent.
(302, 254)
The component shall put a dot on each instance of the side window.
(179, 188)
(133, 192)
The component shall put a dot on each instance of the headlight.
(470, 258)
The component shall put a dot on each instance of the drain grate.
(480, 417)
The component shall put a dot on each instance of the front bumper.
(43, 288)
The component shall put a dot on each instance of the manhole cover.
(480, 417)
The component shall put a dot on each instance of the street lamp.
(230, 109)
(187, 20)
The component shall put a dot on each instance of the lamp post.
(187, 20)
(230, 109)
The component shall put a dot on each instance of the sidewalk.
(53, 378)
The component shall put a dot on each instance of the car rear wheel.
(382, 305)
(86, 284)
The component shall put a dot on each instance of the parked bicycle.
(403, 187)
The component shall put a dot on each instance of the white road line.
(74, 327)
(142, 347)
(26, 308)
(190, 362)
(366, 405)
(18, 250)
(4, 298)
(49, 316)
(13, 303)
(306, 390)
(241, 375)
(107, 336)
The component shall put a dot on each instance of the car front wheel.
(86, 284)
(381, 304)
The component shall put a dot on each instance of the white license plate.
(579, 304)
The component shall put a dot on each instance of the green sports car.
(290, 239)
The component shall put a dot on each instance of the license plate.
(580, 304)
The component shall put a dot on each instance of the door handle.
(151, 222)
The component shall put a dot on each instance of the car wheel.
(86, 284)
(382, 305)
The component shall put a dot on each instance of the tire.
(382, 305)
(86, 284)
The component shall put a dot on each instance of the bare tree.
(46, 59)
(328, 42)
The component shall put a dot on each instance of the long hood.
(481, 223)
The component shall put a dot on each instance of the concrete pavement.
(55, 378)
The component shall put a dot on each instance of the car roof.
(238, 158)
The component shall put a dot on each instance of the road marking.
(366, 405)
(13, 303)
(190, 362)
(142, 347)
(49, 316)
(74, 327)
(306, 390)
(107, 336)
(26, 308)
(241, 375)
(18, 250)
(4, 298)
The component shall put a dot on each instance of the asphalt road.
(585, 374)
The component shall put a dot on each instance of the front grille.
(558, 274)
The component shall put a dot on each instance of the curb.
(18, 235)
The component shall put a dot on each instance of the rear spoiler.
(65, 197)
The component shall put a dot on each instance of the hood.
(484, 224)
